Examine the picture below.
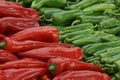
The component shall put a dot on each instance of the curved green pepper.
(83, 4)
(64, 18)
(90, 19)
(37, 4)
(99, 7)
(117, 2)
(71, 39)
(110, 37)
(108, 23)
(86, 31)
(111, 55)
(97, 53)
(115, 31)
(78, 27)
(117, 75)
(99, 46)
(48, 12)
(91, 39)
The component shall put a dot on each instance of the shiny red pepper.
(12, 11)
(58, 65)
(45, 77)
(23, 64)
(51, 52)
(24, 74)
(82, 75)
(6, 3)
(6, 56)
(16, 24)
(2, 75)
(44, 34)
(18, 46)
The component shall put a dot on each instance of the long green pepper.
(64, 18)
(37, 4)
(92, 48)
(99, 7)
(71, 39)
(83, 4)
(115, 30)
(86, 31)
(108, 23)
(48, 12)
(91, 39)
(90, 19)
(78, 27)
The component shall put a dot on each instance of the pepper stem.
(52, 68)
(2, 45)
(75, 22)
(48, 20)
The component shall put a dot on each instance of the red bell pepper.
(6, 56)
(6, 3)
(82, 75)
(18, 46)
(51, 52)
(12, 11)
(16, 24)
(24, 74)
(58, 65)
(44, 34)
(23, 64)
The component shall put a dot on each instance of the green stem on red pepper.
(16, 46)
(2, 45)
(52, 68)
(58, 65)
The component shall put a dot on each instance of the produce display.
(60, 40)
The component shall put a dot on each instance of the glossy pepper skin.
(89, 19)
(51, 52)
(64, 18)
(99, 46)
(24, 74)
(6, 56)
(2, 75)
(5, 3)
(16, 24)
(100, 7)
(75, 28)
(44, 34)
(18, 46)
(19, 12)
(82, 75)
(24, 63)
(49, 3)
(48, 12)
(83, 4)
(109, 23)
(45, 77)
(58, 65)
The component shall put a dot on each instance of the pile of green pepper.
(93, 25)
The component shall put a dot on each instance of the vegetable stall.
(59, 39)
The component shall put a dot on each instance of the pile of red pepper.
(29, 51)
